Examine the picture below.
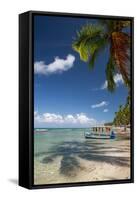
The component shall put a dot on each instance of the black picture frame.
(26, 100)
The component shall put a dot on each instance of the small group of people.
(101, 129)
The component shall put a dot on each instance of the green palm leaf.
(93, 38)
(110, 70)
(88, 42)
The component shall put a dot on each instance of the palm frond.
(114, 25)
(92, 60)
(108, 24)
(88, 41)
(92, 39)
(96, 49)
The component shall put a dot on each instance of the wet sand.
(91, 160)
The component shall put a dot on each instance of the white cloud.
(35, 113)
(83, 119)
(57, 66)
(105, 110)
(57, 119)
(117, 79)
(52, 118)
(103, 103)
(70, 119)
(104, 86)
(36, 116)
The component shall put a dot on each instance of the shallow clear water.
(49, 141)
(58, 154)
(46, 141)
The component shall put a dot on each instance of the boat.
(101, 132)
(37, 130)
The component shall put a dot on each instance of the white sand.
(110, 163)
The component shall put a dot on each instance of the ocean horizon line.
(62, 127)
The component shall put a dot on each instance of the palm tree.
(122, 117)
(93, 38)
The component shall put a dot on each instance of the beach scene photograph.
(82, 99)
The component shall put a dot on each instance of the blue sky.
(66, 92)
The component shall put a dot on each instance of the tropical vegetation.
(122, 116)
(93, 38)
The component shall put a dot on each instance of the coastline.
(91, 161)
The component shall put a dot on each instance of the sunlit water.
(46, 142)
(68, 145)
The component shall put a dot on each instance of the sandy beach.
(82, 100)
(89, 160)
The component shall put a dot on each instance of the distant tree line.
(122, 116)
(108, 123)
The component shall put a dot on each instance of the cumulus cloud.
(70, 119)
(57, 119)
(105, 110)
(57, 66)
(117, 79)
(36, 116)
(98, 105)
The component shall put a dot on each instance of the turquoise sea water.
(64, 155)
(49, 140)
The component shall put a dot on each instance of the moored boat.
(104, 132)
(37, 130)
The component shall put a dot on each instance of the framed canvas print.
(75, 99)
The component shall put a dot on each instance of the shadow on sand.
(88, 150)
